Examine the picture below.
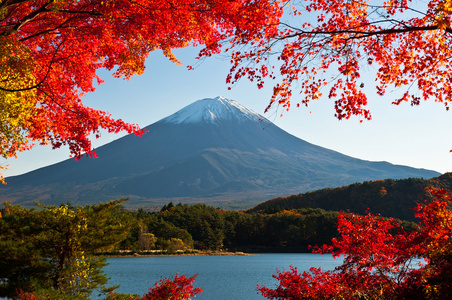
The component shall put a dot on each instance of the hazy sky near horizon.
(414, 136)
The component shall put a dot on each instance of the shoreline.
(155, 254)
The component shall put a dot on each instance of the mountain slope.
(212, 150)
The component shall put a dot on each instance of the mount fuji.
(214, 151)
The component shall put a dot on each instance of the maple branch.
(390, 31)
(191, 7)
(47, 30)
(361, 34)
(42, 80)
(11, 11)
(5, 4)
(56, 102)
(31, 16)
(41, 10)
(399, 7)
(82, 12)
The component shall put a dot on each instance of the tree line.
(389, 197)
(183, 227)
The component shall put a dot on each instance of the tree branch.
(363, 34)
(31, 16)
(47, 30)
(42, 80)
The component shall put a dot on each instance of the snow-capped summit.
(212, 151)
(212, 110)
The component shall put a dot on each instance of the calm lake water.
(220, 277)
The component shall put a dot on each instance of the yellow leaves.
(357, 9)
(2, 179)
(62, 211)
(445, 7)
(443, 23)
(444, 10)
(3, 13)
(17, 102)
(80, 277)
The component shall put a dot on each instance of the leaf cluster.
(324, 47)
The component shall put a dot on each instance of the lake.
(221, 277)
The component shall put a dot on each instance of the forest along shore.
(130, 253)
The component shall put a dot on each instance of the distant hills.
(389, 198)
(213, 151)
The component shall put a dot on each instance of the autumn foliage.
(381, 259)
(177, 288)
(324, 47)
(50, 51)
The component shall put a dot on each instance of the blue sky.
(413, 136)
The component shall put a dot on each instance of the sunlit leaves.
(17, 99)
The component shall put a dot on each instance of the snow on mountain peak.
(213, 110)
